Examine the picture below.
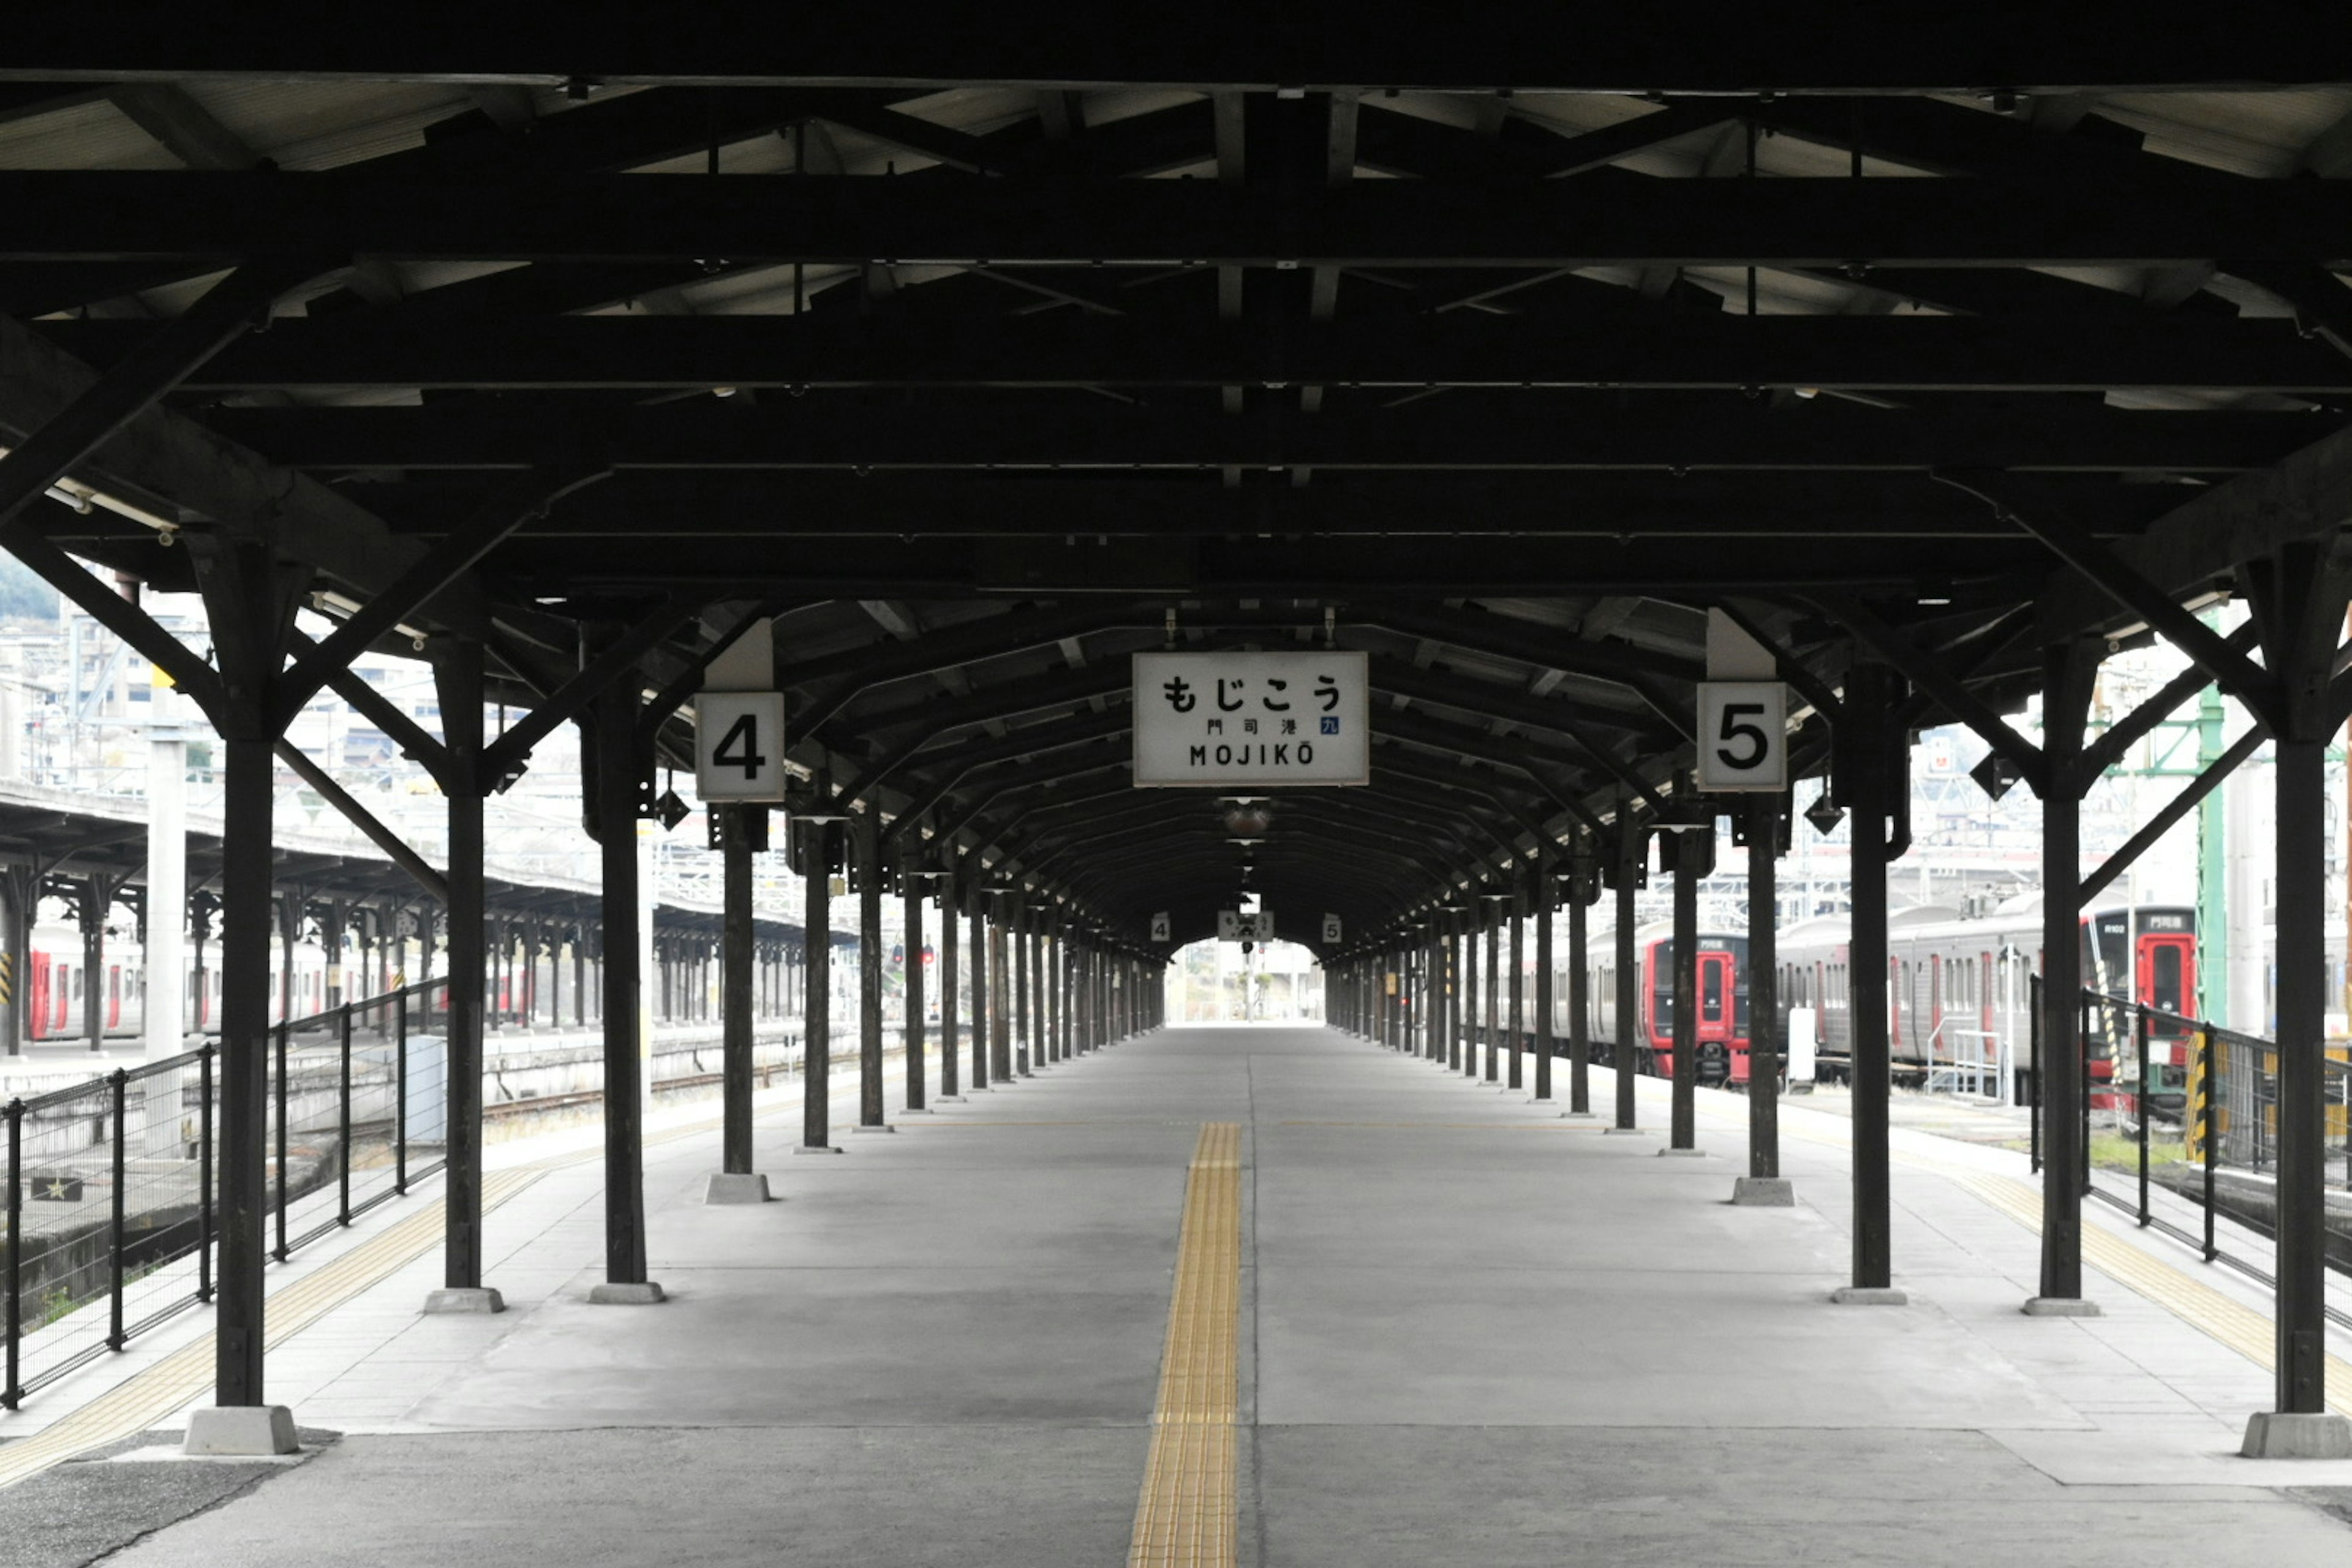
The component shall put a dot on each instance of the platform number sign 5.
(738, 745)
(1743, 735)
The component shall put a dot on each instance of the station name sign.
(1257, 720)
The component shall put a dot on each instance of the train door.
(36, 1011)
(61, 1018)
(1933, 1042)
(2167, 969)
(114, 995)
(1718, 1005)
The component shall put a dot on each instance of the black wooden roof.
(985, 353)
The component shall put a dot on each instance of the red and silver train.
(55, 977)
(1958, 990)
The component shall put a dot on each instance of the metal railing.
(112, 1185)
(2213, 1094)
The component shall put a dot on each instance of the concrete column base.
(612, 1293)
(1579, 1116)
(952, 1100)
(2060, 1307)
(2284, 1434)
(914, 1111)
(1869, 1296)
(1682, 1154)
(877, 1127)
(242, 1431)
(816, 1149)
(1627, 1131)
(1764, 1193)
(735, 1187)
(460, 1299)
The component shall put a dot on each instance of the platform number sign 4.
(1743, 735)
(738, 745)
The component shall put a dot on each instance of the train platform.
(1247, 1294)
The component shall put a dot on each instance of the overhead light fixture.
(82, 496)
(341, 607)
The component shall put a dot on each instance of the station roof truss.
(982, 360)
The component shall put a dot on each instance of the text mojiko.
(1229, 720)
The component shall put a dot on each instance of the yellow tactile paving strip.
(1186, 1516)
(2250, 1332)
(182, 1377)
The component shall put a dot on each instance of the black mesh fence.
(112, 1185)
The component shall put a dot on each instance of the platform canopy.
(985, 351)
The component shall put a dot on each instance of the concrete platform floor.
(1472, 1332)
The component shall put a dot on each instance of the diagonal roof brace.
(1954, 694)
(2238, 675)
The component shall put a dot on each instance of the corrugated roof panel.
(90, 136)
(324, 125)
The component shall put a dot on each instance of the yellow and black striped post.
(2201, 1097)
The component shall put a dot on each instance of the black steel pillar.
(1544, 899)
(1515, 1037)
(917, 1070)
(1866, 785)
(817, 987)
(91, 896)
(867, 832)
(2299, 596)
(980, 1010)
(1490, 993)
(1763, 987)
(1454, 979)
(1000, 1002)
(457, 681)
(1583, 875)
(626, 1048)
(737, 828)
(951, 982)
(248, 794)
(1626, 1021)
(1689, 856)
(2069, 672)
(1024, 1017)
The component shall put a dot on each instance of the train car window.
(2165, 971)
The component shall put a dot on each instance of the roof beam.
(1990, 221)
(1613, 349)
(1563, 432)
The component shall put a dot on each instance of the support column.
(1866, 783)
(1763, 1187)
(980, 1011)
(2300, 597)
(1582, 889)
(626, 1046)
(735, 1181)
(912, 993)
(1000, 1002)
(1025, 1018)
(1626, 1022)
(1545, 893)
(1490, 994)
(2069, 672)
(457, 682)
(1454, 978)
(816, 990)
(866, 833)
(248, 794)
(1690, 856)
(951, 982)
(1515, 1038)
